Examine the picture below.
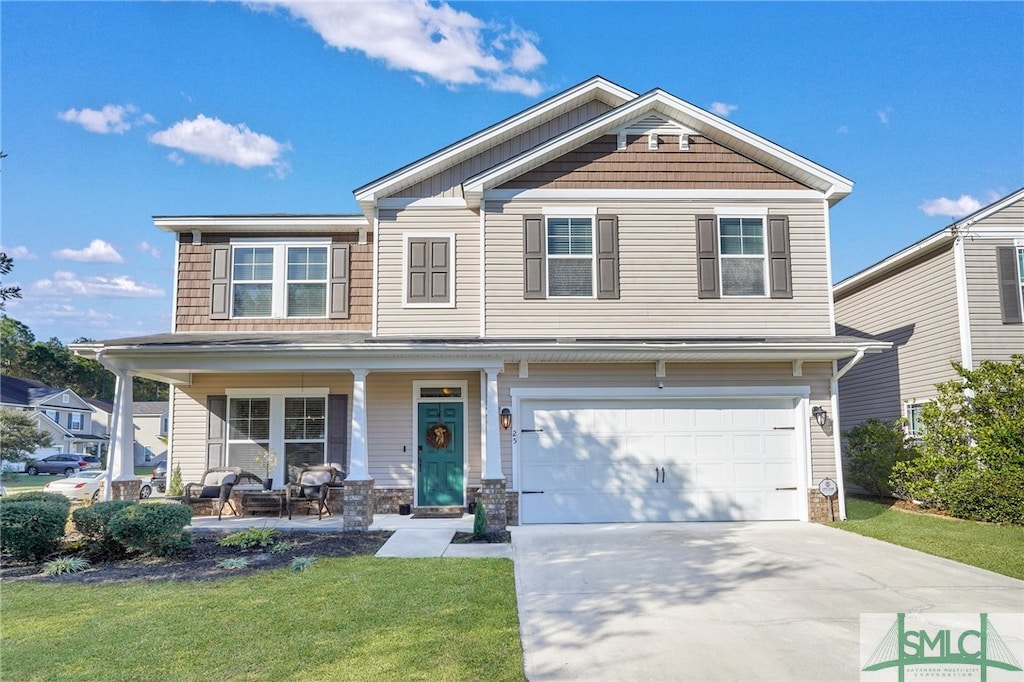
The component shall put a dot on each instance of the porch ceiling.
(176, 357)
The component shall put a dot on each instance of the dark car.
(69, 465)
(158, 478)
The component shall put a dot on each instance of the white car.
(85, 485)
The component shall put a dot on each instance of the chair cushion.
(311, 491)
(210, 491)
(218, 478)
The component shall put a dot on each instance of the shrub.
(65, 564)
(233, 564)
(153, 528)
(479, 521)
(31, 529)
(40, 496)
(93, 522)
(988, 495)
(250, 537)
(175, 487)
(873, 448)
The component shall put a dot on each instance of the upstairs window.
(570, 243)
(252, 293)
(743, 256)
(307, 281)
(75, 421)
(571, 256)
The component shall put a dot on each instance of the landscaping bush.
(31, 529)
(874, 448)
(40, 496)
(480, 520)
(153, 528)
(93, 522)
(988, 495)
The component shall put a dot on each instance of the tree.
(7, 293)
(19, 437)
(15, 341)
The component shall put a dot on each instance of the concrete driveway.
(723, 601)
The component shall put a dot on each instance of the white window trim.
(450, 236)
(907, 404)
(572, 214)
(742, 213)
(1020, 271)
(71, 421)
(279, 282)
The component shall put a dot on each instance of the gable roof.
(33, 393)
(150, 407)
(932, 242)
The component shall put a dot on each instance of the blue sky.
(113, 112)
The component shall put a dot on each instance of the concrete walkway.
(413, 543)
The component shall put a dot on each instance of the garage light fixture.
(819, 414)
(506, 418)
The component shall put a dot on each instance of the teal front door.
(440, 458)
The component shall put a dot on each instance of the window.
(294, 426)
(1020, 273)
(914, 426)
(75, 421)
(280, 280)
(248, 432)
(53, 414)
(1010, 280)
(428, 271)
(570, 249)
(305, 426)
(743, 256)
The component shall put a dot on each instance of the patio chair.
(310, 488)
(215, 487)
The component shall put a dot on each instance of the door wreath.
(439, 436)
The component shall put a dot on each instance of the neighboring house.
(150, 419)
(61, 412)
(956, 295)
(101, 421)
(607, 307)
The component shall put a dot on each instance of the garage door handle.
(789, 488)
(531, 430)
(783, 428)
(532, 492)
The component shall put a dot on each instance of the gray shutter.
(780, 260)
(1009, 284)
(220, 283)
(339, 283)
(418, 271)
(534, 257)
(440, 271)
(337, 430)
(607, 244)
(216, 430)
(707, 257)
(429, 271)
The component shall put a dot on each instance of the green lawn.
(20, 483)
(997, 548)
(358, 618)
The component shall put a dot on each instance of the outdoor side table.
(263, 501)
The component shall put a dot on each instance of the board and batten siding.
(657, 277)
(990, 338)
(396, 319)
(915, 309)
(193, 291)
(448, 183)
(678, 375)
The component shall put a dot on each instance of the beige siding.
(658, 278)
(395, 319)
(448, 183)
(816, 376)
(990, 338)
(600, 164)
(193, 302)
(915, 309)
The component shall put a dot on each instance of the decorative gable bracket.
(652, 126)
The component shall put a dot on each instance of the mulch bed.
(199, 562)
(490, 537)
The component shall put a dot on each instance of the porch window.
(305, 427)
(248, 432)
(293, 427)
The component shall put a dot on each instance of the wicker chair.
(310, 488)
(216, 487)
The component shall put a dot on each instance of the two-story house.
(954, 296)
(609, 307)
(150, 418)
(60, 412)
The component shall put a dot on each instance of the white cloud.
(722, 109)
(176, 158)
(112, 118)
(215, 141)
(450, 46)
(884, 115)
(18, 252)
(954, 208)
(69, 284)
(146, 247)
(98, 251)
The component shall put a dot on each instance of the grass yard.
(21, 483)
(996, 548)
(357, 618)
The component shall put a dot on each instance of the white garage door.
(658, 460)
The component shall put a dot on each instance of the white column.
(492, 447)
(122, 445)
(358, 470)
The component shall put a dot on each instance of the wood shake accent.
(600, 164)
(195, 264)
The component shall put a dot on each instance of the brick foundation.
(123, 490)
(386, 500)
(512, 507)
(818, 507)
(493, 497)
(358, 505)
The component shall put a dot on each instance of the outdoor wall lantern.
(819, 414)
(506, 418)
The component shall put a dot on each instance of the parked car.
(83, 486)
(56, 464)
(158, 478)
(93, 461)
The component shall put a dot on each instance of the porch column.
(492, 483)
(121, 458)
(358, 491)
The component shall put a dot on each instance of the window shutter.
(607, 256)
(216, 430)
(339, 281)
(337, 430)
(534, 257)
(429, 271)
(707, 258)
(418, 271)
(440, 270)
(1009, 284)
(220, 283)
(780, 260)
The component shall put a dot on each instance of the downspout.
(836, 439)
